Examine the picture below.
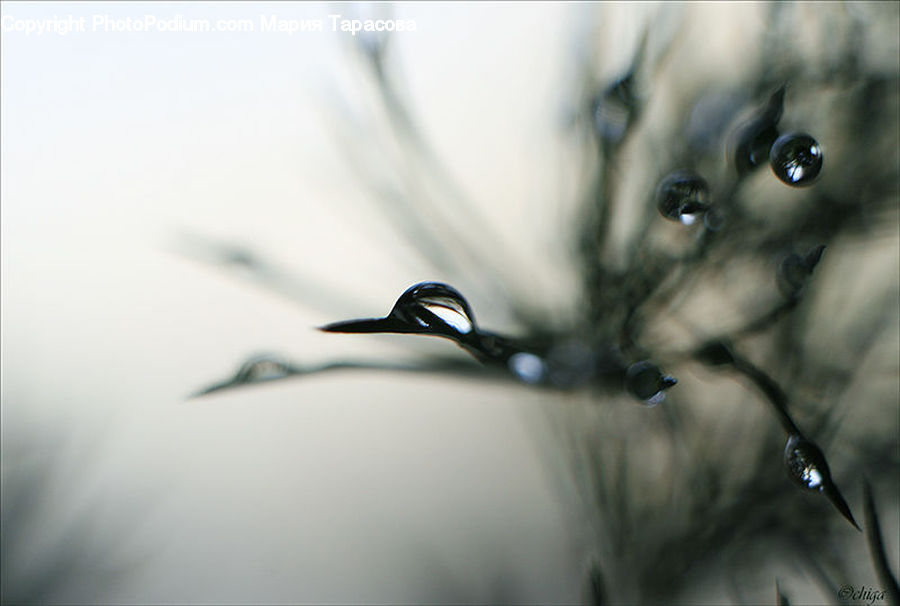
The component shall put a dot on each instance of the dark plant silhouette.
(679, 503)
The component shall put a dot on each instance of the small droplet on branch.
(647, 383)
(263, 368)
(807, 467)
(682, 196)
(257, 369)
(796, 159)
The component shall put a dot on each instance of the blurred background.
(174, 202)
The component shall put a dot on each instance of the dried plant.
(717, 237)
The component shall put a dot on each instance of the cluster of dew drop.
(683, 197)
(795, 158)
(438, 309)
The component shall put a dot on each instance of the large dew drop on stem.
(435, 307)
(429, 308)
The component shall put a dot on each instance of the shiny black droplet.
(796, 159)
(425, 308)
(682, 196)
(435, 307)
(807, 467)
(806, 464)
(647, 383)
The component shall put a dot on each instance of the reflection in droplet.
(647, 383)
(435, 307)
(796, 159)
(450, 313)
(682, 196)
(528, 367)
(805, 463)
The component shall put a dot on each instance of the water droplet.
(612, 110)
(425, 308)
(681, 196)
(263, 368)
(796, 159)
(753, 140)
(807, 467)
(255, 370)
(528, 367)
(805, 463)
(794, 271)
(435, 307)
(647, 383)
